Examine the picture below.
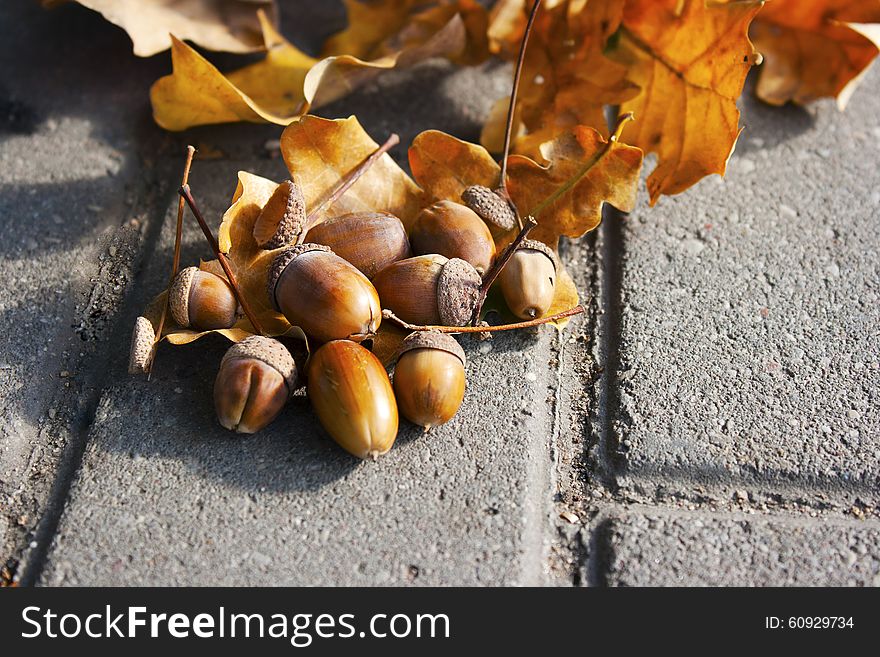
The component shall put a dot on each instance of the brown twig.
(511, 110)
(185, 193)
(345, 183)
(499, 264)
(387, 314)
(175, 262)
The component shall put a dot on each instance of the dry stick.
(185, 193)
(387, 314)
(517, 73)
(175, 263)
(345, 183)
(498, 265)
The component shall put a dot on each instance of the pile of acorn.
(332, 279)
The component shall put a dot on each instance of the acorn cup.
(455, 231)
(429, 378)
(202, 300)
(528, 281)
(353, 399)
(369, 240)
(283, 218)
(257, 376)
(491, 207)
(430, 289)
(323, 294)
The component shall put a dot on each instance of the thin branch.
(175, 263)
(345, 183)
(387, 314)
(499, 264)
(185, 193)
(511, 110)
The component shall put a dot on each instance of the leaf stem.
(499, 264)
(511, 109)
(584, 170)
(346, 182)
(175, 262)
(185, 193)
(387, 314)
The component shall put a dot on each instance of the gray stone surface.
(681, 550)
(751, 316)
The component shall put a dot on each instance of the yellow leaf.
(227, 25)
(814, 49)
(288, 82)
(321, 152)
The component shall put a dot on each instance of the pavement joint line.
(33, 560)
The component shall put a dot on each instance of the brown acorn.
(429, 378)
(256, 378)
(323, 294)
(430, 289)
(369, 240)
(455, 231)
(528, 281)
(490, 206)
(202, 300)
(352, 397)
(283, 218)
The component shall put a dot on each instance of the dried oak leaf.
(444, 166)
(225, 25)
(566, 80)
(815, 49)
(287, 83)
(680, 66)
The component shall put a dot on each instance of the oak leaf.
(814, 49)
(287, 83)
(225, 25)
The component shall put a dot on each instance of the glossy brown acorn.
(256, 378)
(430, 289)
(323, 294)
(429, 378)
(528, 281)
(369, 240)
(352, 397)
(455, 231)
(283, 218)
(202, 300)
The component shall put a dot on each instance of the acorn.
(257, 376)
(430, 289)
(202, 300)
(429, 378)
(455, 231)
(528, 281)
(283, 218)
(352, 397)
(323, 294)
(490, 206)
(369, 240)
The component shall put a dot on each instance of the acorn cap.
(268, 351)
(178, 295)
(431, 340)
(285, 211)
(141, 351)
(458, 287)
(280, 262)
(535, 245)
(490, 205)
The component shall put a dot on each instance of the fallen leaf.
(814, 49)
(677, 65)
(287, 83)
(321, 152)
(225, 25)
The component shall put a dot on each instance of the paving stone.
(683, 550)
(751, 317)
